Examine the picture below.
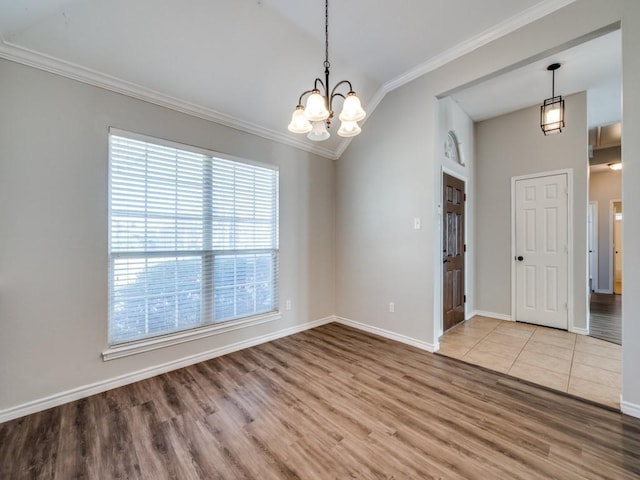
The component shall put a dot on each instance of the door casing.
(612, 213)
(570, 249)
(593, 236)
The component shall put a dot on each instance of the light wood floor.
(329, 403)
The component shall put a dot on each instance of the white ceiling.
(245, 62)
(594, 66)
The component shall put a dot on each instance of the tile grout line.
(480, 340)
(521, 350)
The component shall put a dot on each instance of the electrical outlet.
(392, 307)
(287, 305)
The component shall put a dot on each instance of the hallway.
(576, 364)
(605, 321)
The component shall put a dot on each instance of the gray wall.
(53, 181)
(604, 187)
(53, 230)
(513, 145)
(384, 181)
(631, 204)
(390, 172)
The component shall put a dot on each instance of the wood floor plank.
(328, 403)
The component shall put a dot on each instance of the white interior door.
(617, 249)
(541, 250)
(592, 235)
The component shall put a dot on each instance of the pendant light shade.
(552, 110)
(316, 109)
(351, 109)
(318, 131)
(299, 122)
(315, 117)
(349, 128)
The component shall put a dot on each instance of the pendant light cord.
(326, 35)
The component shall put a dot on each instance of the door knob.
(520, 258)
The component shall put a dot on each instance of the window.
(193, 238)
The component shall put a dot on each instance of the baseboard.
(601, 290)
(388, 334)
(104, 385)
(630, 409)
(497, 316)
(579, 330)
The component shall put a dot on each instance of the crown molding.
(31, 58)
(371, 106)
(499, 30)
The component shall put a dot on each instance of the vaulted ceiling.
(244, 63)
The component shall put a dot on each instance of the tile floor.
(577, 364)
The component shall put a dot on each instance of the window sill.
(140, 346)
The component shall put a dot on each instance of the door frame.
(595, 284)
(440, 270)
(612, 257)
(513, 253)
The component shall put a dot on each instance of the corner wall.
(631, 203)
(513, 145)
(396, 157)
(391, 173)
(452, 117)
(54, 224)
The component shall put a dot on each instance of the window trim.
(146, 345)
(133, 347)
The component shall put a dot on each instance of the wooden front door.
(453, 249)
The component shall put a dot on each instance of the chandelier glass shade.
(552, 110)
(314, 118)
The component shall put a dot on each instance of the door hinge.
(464, 247)
(464, 197)
(464, 299)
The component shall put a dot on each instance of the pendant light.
(314, 119)
(552, 110)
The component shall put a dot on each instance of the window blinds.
(193, 239)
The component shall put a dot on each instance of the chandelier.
(314, 119)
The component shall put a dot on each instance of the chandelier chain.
(326, 35)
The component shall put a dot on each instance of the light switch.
(417, 223)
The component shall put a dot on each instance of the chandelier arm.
(319, 81)
(333, 92)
